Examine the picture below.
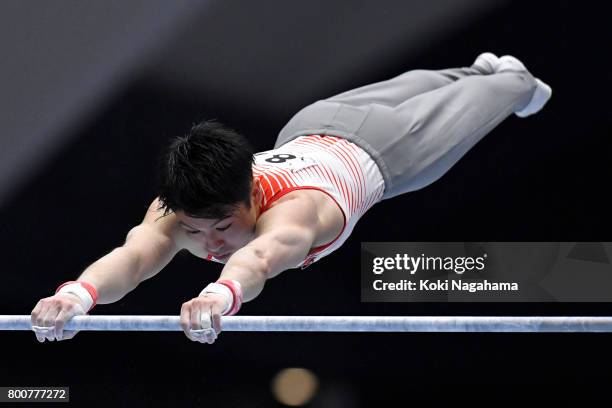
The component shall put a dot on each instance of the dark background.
(91, 94)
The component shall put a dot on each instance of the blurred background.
(91, 93)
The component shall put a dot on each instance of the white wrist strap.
(79, 291)
(220, 290)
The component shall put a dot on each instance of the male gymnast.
(261, 214)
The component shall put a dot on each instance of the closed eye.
(193, 232)
(224, 228)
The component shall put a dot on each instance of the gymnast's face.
(222, 237)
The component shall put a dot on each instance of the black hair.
(206, 173)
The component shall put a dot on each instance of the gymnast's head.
(206, 179)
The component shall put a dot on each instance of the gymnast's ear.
(256, 191)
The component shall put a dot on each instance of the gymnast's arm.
(284, 236)
(148, 248)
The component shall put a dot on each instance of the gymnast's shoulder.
(159, 228)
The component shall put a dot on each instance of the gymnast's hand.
(51, 314)
(201, 317)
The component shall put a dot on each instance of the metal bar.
(337, 323)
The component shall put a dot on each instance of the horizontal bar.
(337, 323)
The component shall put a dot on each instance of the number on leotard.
(280, 158)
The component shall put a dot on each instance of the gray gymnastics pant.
(417, 125)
